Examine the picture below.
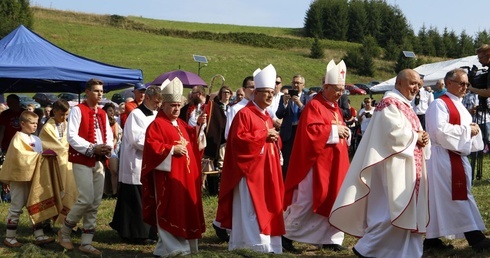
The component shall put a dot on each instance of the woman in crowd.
(365, 114)
(110, 188)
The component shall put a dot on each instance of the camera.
(477, 77)
(294, 93)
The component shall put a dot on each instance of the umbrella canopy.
(188, 79)
(432, 72)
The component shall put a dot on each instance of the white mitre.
(335, 74)
(164, 84)
(265, 78)
(173, 91)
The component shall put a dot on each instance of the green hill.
(140, 43)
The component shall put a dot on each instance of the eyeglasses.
(461, 83)
(277, 83)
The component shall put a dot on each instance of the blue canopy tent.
(30, 63)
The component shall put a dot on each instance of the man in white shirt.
(275, 103)
(90, 138)
(422, 101)
(248, 88)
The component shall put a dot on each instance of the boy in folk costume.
(90, 145)
(22, 170)
(53, 137)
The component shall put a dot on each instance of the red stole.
(458, 175)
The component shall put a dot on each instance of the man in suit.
(289, 109)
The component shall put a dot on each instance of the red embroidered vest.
(87, 132)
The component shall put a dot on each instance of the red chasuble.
(249, 155)
(311, 151)
(173, 198)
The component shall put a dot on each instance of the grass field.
(111, 245)
(89, 36)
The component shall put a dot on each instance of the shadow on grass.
(54, 250)
(458, 252)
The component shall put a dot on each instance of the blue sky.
(470, 16)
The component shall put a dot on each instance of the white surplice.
(246, 233)
(447, 217)
(304, 225)
(231, 114)
(132, 146)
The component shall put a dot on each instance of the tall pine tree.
(14, 13)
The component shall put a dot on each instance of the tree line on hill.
(384, 30)
(353, 20)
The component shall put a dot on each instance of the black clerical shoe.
(358, 254)
(482, 245)
(334, 247)
(436, 244)
(221, 233)
(287, 244)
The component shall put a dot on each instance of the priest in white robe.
(384, 196)
(453, 208)
(128, 218)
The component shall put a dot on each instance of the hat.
(335, 74)
(139, 86)
(173, 91)
(164, 84)
(266, 78)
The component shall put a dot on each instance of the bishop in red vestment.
(319, 162)
(171, 178)
(251, 193)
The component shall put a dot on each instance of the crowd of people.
(286, 171)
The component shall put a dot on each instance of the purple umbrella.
(188, 79)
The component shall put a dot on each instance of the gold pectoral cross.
(267, 127)
(184, 142)
(336, 122)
